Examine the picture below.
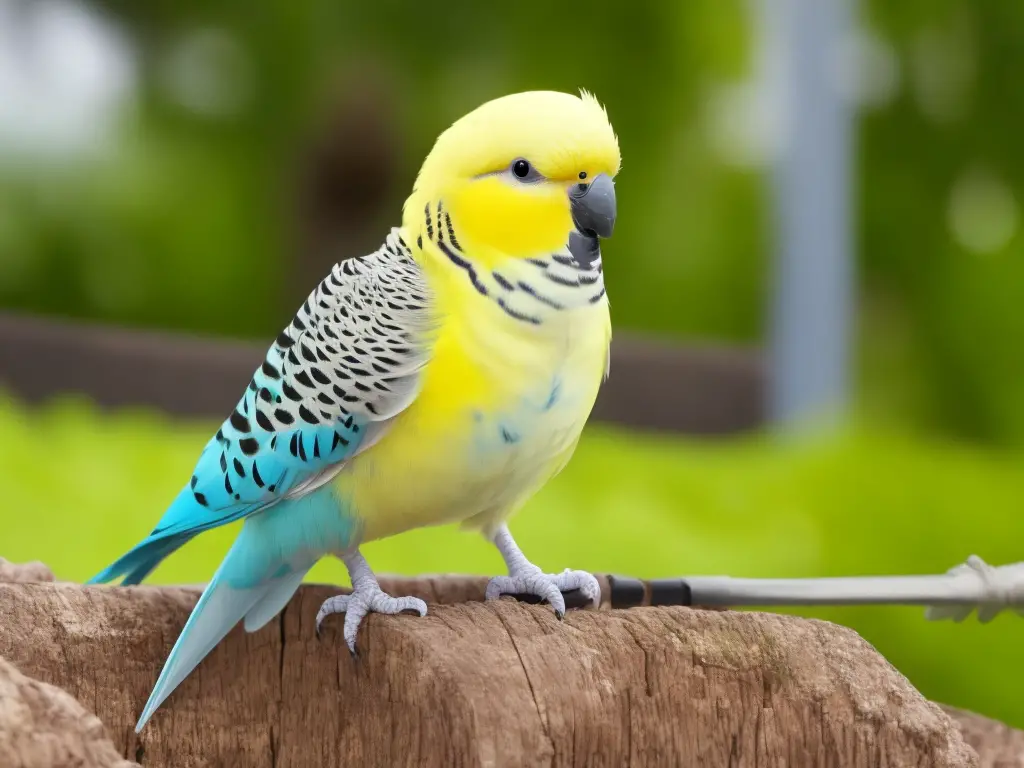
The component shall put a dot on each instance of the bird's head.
(517, 177)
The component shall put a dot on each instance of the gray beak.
(593, 206)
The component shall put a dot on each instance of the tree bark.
(477, 684)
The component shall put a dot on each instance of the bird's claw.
(547, 586)
(355, 606)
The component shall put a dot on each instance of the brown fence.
(654, 385)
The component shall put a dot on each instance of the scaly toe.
(383, 603)
(336, 604)
(586, 583)
(528, 583)
(358, 604)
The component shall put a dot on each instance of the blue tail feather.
(184, 519)
(242, 582)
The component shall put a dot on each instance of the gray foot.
(366, 597)
(525, 578)
(547, 586)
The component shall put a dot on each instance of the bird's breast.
(499, 412)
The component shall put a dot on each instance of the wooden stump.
(475, 684)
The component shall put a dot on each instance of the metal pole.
(810, 323)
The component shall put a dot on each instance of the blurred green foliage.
(185, 221)
(866, 502)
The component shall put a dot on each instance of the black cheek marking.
(249, 446)
(529, 289)
(556, 278)
(270, 371)
(239, 468)
(451, 232)
(308, 416)
(257, 478)
(517, 315)
(461, 263)
(502, 282)
(263, 421)
(239, 422)
(201, 499)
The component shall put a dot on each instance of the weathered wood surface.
(475, 684)
(654, 385)
(997, 744)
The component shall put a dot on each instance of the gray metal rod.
(870, 590)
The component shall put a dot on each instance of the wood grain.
(480, 684)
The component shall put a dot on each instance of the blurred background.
(831, 187)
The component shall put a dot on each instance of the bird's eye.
(521, 168)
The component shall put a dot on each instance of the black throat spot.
(585, 249)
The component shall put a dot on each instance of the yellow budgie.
(443, 378)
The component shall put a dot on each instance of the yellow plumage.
(445, 377)
(444, 460)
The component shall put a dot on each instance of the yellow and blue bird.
(443, 378)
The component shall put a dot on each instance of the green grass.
(80, 487)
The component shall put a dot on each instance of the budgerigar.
(443, 378)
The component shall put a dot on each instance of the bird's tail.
(136, 564)
(241, 588)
